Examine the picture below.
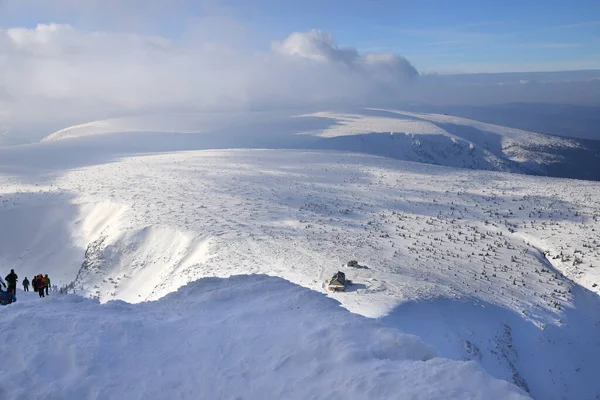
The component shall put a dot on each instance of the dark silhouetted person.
(26, 285)
(12, 280)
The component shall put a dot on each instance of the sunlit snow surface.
(492, 267)
(422, 137)
(302, 215)
(250, 337)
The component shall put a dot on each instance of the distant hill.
(406, 135)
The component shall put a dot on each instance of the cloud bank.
(55, 76)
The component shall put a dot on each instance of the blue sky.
(435, 35)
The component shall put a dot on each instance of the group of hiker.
(40, 283)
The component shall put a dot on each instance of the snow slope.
(422, 137)
(250, 337)
(469, 260)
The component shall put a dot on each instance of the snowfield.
(250, 337)
(495, 270)
(422, 137)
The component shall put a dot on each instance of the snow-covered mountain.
(412, 136)
(251, 337)
(489, 267)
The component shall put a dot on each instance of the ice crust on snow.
(250, 337)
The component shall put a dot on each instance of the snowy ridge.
(505, 133)
(182, 123)
(251, 337)
(421, 137)
(518, 145)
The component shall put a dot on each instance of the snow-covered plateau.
(194, 251)
(412, 136)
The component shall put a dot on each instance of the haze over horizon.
(69, 62)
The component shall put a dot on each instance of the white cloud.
(55, 71)
(54, 76)
(315, 45)
(320, 46)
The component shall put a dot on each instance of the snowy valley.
(495, 270)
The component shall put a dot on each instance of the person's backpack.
(6, 298)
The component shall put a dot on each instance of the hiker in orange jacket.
(40, 284)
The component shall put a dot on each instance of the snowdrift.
(250, 337)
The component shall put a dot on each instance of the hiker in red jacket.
(40, 284)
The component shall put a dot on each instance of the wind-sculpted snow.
(411, 136)
(139, 228)
(250, 337)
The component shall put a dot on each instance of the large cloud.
(319, 46)
(55, 75)
(315, 45)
